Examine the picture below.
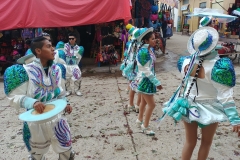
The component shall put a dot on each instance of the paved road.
(102, 131)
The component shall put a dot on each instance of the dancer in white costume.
(31, 86)
(129, 69)
(205, 97)
(72, 57)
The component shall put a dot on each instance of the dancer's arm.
(15, 87)
(223, 77)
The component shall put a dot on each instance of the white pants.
(38, 136)
(73, 72)
(76, 84)
(73, 75)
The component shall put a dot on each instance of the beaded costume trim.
(63, 69)
(62, 55)
(180, 62)
(14, 77)
(223, 72)
(143, 56)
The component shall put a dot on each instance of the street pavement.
(101, 129)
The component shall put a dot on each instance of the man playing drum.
(34, 86)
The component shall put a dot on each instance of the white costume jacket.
(211, 96)
(70, 57)
(26, 84)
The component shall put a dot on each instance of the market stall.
(55, 16)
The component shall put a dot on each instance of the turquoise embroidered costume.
(130, 69)
(210, 101)
(14, 77)
(26, 84)
(70, 56)
(147, 79)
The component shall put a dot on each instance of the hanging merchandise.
(154, 15)
(27, 33)
(154, 18)
(15, 34)
(168, 13)
(124, 36)
(108, 54)
(15, 55)
(160, 13)
(38, 32)
(164, 13)
(19, 46)
(155, 24)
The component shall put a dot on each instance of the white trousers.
(73, 72)
(38, 136)
(73, 75)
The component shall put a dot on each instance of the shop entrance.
(87, 34)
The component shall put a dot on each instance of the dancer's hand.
(237, 129)
(159, 87)
(39, 107)
(68, 109)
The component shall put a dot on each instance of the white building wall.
(175, 18)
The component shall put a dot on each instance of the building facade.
(186, 7)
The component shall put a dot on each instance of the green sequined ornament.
(14, 76)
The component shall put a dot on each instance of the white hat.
(205, 21)
(142, 32)
(135, 34)
(27, 58)
(204, 40)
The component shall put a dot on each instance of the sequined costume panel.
(35, 85)
(14, 77)
(26, 135)
(143, 56)
(210, 101)
(147, 80)
(180, 62)
(130, 66)
(146, 86)
(223, 72)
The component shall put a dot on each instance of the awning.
(59, 13)
(173, 3)
(215, 13)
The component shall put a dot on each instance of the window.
(203, 5)
(185, 2)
